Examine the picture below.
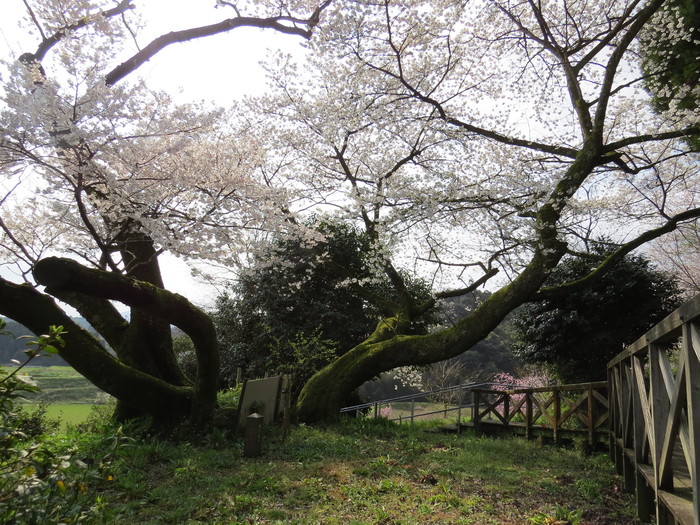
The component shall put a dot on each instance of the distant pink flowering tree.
(506, 381)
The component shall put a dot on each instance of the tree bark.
(67, 275)
(38, 311)
(323, 395)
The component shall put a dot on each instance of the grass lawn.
(68, 414)
(363, 472)
(67, 395)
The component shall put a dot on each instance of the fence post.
(612, 420)
(645, 495)
(691, 335)
(557, 415)
(528, 414)
(252, 445)
(591, 418)
(413, 406)
(475, 411)
(459, 411)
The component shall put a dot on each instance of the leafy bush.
(40, 480)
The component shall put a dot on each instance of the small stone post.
(252, 445)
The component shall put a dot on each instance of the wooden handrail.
(545, 407)
(655, 418)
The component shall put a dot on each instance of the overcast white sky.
(220, 69)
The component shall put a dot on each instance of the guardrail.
(655, 418)
(454, 400)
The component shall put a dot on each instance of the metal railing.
(454, 401)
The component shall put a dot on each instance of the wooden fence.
(556, 412)
(655, 424)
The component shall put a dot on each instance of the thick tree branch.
(455, 293)
(612, 67)
(100, 313)
(68, 275)
(615, 257)
(622, 22)
(38, 311)
(462, 291)
(653, 137)
(299, 27)
(48, 42)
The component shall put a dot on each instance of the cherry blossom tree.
(479, 141)
(102, 175)
(474, 142)
(679, 254)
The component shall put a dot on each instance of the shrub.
(40, 481)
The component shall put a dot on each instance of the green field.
(68, 396)
(69, 414)
(62, 385)
(66, 414)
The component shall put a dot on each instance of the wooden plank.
(660, 405)
(679, 502)
(528, 415)
(603, 400)
(589, 410)
(691, 348)
(517, 407)
(681, 507)
(573, 407)
(672, 422)
(647, 425)
(554, 388)
(542, 407)
(557, 417)
(637, 410)
(667, 330)
(494, 427)
(627, 402)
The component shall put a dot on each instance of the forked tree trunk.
(139, 384)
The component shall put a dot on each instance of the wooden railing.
(655, 419)
(562, 411)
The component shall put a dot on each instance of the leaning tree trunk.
(323, 395)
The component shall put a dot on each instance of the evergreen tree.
(576, 334)
(302, 305)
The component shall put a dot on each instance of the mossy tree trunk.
(324, 394)
(143, 374)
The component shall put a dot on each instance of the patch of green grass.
(67, 395)
(361, 472)
(68, 414)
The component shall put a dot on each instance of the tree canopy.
(671, 54)
(472, 143)
(104, 170)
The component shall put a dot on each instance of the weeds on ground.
(41, 479)
(363, 472)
